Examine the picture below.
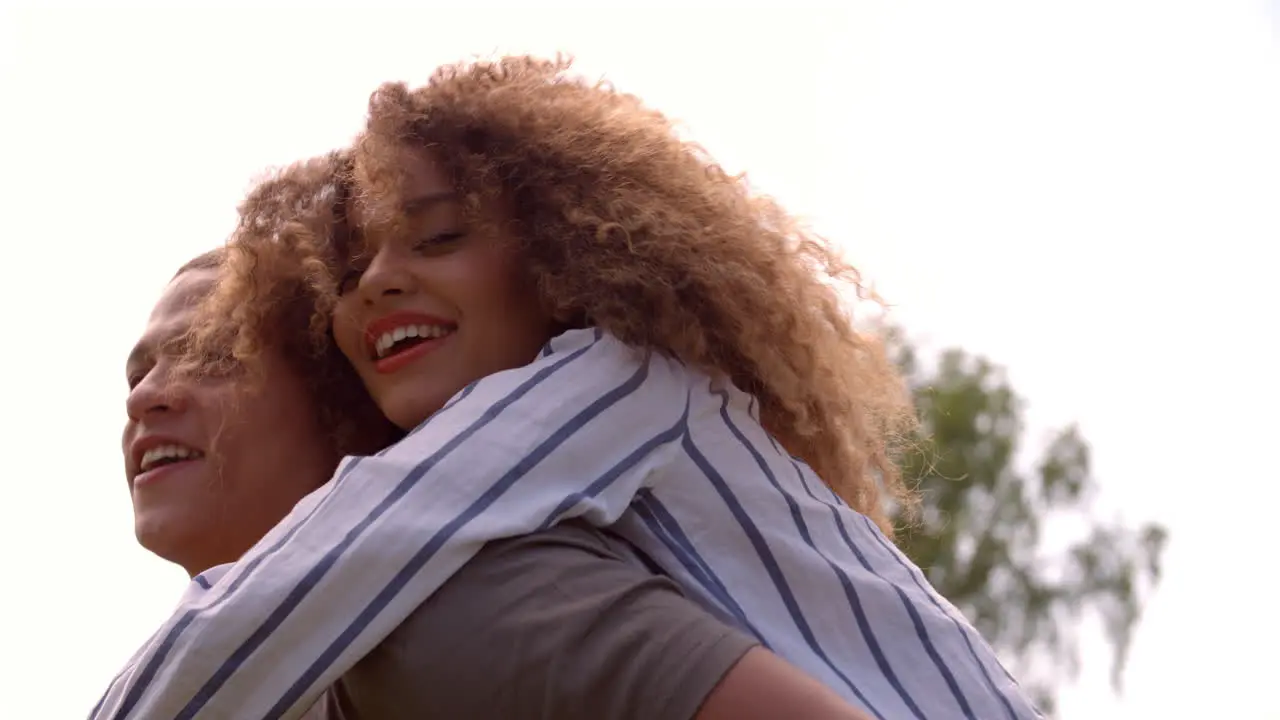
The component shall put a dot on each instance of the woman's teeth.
(389, 339)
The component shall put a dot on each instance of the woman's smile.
(398, 339)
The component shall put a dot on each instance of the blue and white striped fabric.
(674, 460)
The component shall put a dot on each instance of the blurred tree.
(979, 533)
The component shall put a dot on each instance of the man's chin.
(175, 537)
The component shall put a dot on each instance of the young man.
(567, 623)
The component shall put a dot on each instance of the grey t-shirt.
(563, 624)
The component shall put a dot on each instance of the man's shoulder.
(568, 622)
(512, 591)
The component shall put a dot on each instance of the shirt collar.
(202, 583)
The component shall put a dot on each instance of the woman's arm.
(576, 433)
(566, 624)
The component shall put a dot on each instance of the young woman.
(500, 638)
(575, 314)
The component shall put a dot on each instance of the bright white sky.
(1085, 191)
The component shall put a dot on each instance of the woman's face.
(212, 468)
(439, 303)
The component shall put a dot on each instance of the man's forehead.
(174, 311)
(184, 292)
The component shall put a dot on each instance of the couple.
(577, 322)
(559, 624)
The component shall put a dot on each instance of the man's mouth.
(165, 455)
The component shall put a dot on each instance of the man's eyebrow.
(156, 341)
(426, 201)
(140, 352)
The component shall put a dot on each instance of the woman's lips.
(397, 360)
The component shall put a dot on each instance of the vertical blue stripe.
(162, 650)
(724, 605)
(851, 593)
(93, 714)
(771, 567)
(835, 514)
(916, 621)
(429, 550)
(664, 526)
(920, 583)
(609, 477)
(316, 573)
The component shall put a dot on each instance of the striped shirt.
(675, 461)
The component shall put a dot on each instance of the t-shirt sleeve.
(559, 624)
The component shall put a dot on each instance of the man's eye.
(135, 378)
(176, 347)
(212, 361)
(219, 361)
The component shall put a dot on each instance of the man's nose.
(158, 392)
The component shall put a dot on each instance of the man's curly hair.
(624, 226)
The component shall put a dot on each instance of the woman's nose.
(386, 275)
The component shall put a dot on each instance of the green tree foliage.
(980, 533)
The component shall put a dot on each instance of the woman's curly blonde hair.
(279, 307)
(623, 226)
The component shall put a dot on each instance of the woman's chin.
(408, 413)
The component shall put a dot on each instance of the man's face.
(211, 467)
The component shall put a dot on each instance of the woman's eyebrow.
(426, 201)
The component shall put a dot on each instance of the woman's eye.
(348, 282)
(439, 240)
